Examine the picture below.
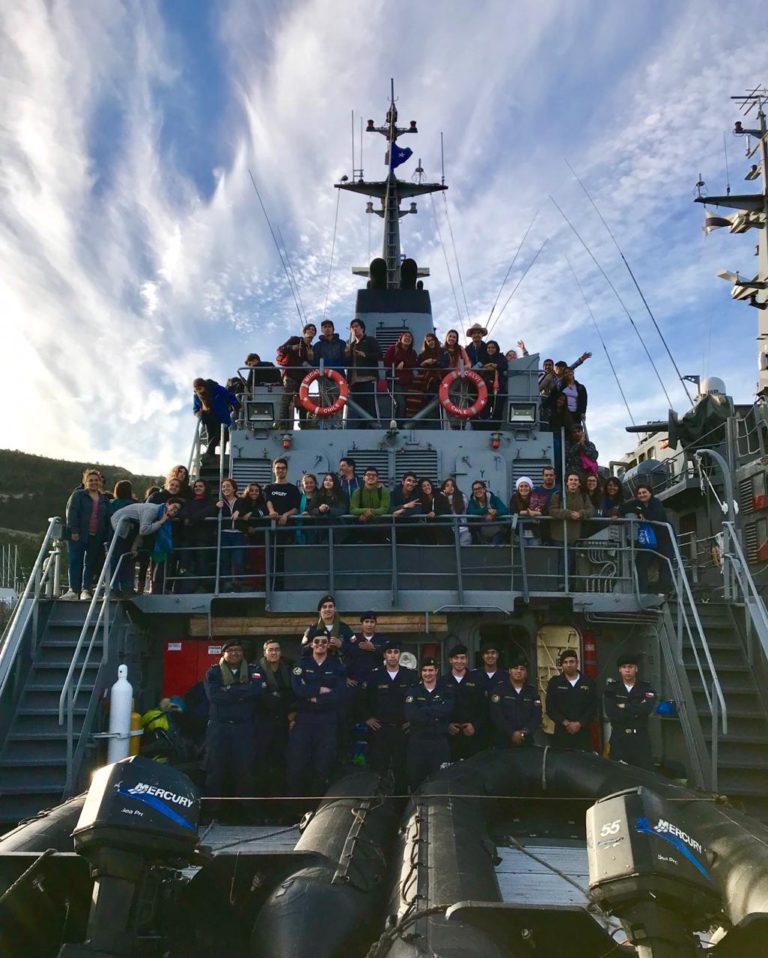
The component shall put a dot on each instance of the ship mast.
(753, 209)
(391, 192)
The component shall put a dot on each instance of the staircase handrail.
(12, 636)
(715, 681)
(104, 577)
(753, 600)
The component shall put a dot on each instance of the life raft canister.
(315, 409)
(482, 393)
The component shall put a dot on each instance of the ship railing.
(97, 619)
(385, 400)
(739, 586)
(19, 639)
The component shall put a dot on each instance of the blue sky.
(136, 256)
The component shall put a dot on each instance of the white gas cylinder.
(120, 708)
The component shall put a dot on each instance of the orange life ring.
(482, 393)
(314, 408)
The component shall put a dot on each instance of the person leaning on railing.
(652, 540)
(402, 358)
(458, 503)
(329, 505)
(213, 405)
(370, 503)
(567, 511)
(486, 508)
(199, 536)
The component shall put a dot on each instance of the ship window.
(641, 457)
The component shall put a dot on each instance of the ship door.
(508, 639)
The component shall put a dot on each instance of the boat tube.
(447, 872)
(331, 907)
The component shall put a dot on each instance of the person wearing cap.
(233, 688)
(516, 707)
(276, 711)
(629, 702)
(477, 350)
(523, 504)
(471, 713)
(428, 712)
(328, 624)
(572, 703)
(489, 677)
(383, 708)
(318, 682)
(364, 649)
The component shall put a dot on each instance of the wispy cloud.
(136, 254)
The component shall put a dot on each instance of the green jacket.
(375, 499)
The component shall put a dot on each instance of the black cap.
(369, 615)
(392, 647)
(457, 650)
(488, 646)
(325, 598)
(627, 658)
(516, 660)
(230, 642)
(428, 661)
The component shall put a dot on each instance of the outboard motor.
(138, 814)
(647, 866)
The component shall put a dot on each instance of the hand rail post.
(455, 522)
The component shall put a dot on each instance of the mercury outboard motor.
(647, 866)
(138, 814)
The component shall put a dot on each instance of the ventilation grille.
(750, 541)
(251, 470)
(371, 457)
(746, 489)
(386, 336)
(528, 467)
(421, 461)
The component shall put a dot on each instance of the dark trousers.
(464, 746)
(631, 745)
(229, 758)
(580, 742)
(123, 563)
(213, 430)
(644, 559)
(84, 560)
(271, 755)
(364, 394)
(425, 756)
(386, 751)
(312, 750)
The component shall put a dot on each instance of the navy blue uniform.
(471, 706)
(515, 710)
(428, 714)
(313, 744)
(383, 698)
(361, 662)
(489, 684)
(272, 722)
(231, 735)
(628, 713)
(577, 703)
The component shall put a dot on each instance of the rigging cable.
(293, 275)
(277, 247)
(634, 280)
(447, 264)
(455, 255)
(616, 294)
(333, 247)
(600, 337)
(511, 265)
(517, 284)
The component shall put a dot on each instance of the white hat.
(523, 479)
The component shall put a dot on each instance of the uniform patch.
(297, 670)
(408, 699)
(495, 698)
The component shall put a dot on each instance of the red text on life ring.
(314, 408)
(482, 393)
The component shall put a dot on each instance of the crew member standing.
(572, 702)
(629, 703)
(319, 683)
(516, 707)
(428, 711)
(471, 712)
(233, 688)
(383, 707)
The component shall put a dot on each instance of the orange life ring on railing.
(314, 408)
(482, 393)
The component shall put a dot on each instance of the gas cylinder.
(120, 708)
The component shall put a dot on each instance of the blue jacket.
(492, 502)
(429, 713)
(79, 514)
(307, 678)
(330, 351)
(222, 400)
(235, 703)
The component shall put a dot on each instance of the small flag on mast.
(398, 155)
(714, 222)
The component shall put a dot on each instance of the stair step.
(32, 776)
(38, 698)
(32, 746)
(741, 754)
(44, 721)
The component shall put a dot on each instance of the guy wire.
(514, 260)
(333, 247)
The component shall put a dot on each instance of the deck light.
(495, 440)
(737, 127)
(369, 207)
(413, 125)
(287, 441)
(370, 124)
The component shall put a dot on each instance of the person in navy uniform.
(428, 712)
(383, 709)
(318, 682)
(489, 674)
(233, 688)
(364, 649)
(572, 703)
(470, 715)
(629, 703)
(515, 707)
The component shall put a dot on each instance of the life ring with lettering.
(315, 409)
(468, 411)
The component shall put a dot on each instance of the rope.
(447, 264)
(455, 254)
(634, 280)
(333, 247)
(26, 874)
(514, 260)
(618, 297)
(517, 284)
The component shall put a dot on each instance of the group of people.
(279, 728)
(181, 532)
(408, 375)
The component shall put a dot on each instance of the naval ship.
(491, 856)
